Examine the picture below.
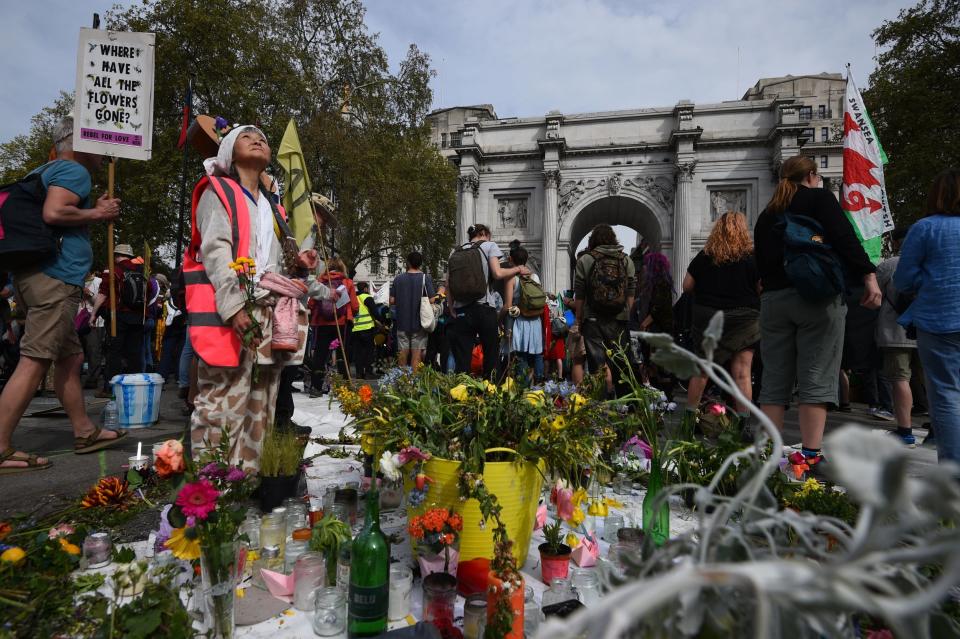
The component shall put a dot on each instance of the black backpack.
(607, 284)
(133, 289)
(467, 279)
(25, 239)
(810, 263)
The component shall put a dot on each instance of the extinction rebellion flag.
(864, 195)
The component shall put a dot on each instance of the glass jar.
(611, 524)
(251, 528)
(474, 616)
(401, 583)
(391, 494)
(587, 584)
(273, 531)
(309, 572)
(279, 511)
(294, 549)
(329, 494)
(97, 549)
(296, 520)
(439, 595)
(532, 615)
(630, 536)
(558, 592)
(330, 613)
(349, 497)
(271, 559)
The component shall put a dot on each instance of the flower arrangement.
(437, 530)
(814, 497)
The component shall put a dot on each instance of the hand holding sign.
(107, 208)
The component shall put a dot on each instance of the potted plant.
(437, 532)
(554, 554)
(280, 459)
(327, 537)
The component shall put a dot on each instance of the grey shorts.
(416, 341)
(800, 343)
(897, 364)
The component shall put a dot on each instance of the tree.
(264, 62)
(912, 99)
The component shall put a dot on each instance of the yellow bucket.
(517, 487)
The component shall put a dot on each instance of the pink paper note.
(279, 584)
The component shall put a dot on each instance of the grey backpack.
(467, 279)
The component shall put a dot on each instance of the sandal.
(12, 454)
(91, 443)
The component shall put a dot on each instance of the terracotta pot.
(516, 603)
(554, 566)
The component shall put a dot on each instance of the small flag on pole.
(187, 114)
(864, 194)
(296, 196)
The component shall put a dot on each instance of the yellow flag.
(296, 197)
(147, 257)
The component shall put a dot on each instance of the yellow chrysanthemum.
(182, 546)
(577, 401)
(13, 555)
(534, 397)
(459, 393)
(558, 423)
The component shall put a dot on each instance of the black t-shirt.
(725, 286)
(821, 205)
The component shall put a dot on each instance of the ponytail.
(792, 172)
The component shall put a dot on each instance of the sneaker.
(908, 440)
(819, 467)
(883, 414)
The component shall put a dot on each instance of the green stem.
(16, 604)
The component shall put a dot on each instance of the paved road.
(71, 475)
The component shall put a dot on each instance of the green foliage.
(281, 454)
(124, 554)
(912, 98)
(814, 497)
(553, 535)
(327, 536)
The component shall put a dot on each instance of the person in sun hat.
(50, 295)
(241, 349)
(125, 350)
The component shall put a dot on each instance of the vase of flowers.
(219, 561)
(554, 554)
(656, 513)
(437, 535)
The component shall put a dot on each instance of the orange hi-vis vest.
(212, 340)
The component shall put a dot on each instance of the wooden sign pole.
(110, 259)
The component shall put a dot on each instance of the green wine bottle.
(369, 576)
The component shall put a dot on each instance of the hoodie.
(582, 276)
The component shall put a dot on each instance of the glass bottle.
(531, 613)
(369, 598)
(656, 521)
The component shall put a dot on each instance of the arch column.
(468, 188)
(551, 181)
(681, 222)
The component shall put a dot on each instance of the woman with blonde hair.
(723, 278)
(801, 341)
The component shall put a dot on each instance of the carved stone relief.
(512, 213)
(724, 201)
(471, 182)
(660, 188)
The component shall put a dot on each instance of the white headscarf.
(222, 164)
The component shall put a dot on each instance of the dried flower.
(109, 492)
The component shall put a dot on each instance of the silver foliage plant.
(750, 569)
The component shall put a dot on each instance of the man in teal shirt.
(50, 294)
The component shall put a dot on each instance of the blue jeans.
(186, 358)
(940, 355)
(525, 360)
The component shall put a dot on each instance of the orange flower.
(433, 520)
(416, 528)
(69, 548)
(169, 459)
(447, 539)
(366, 394)
(110, 492)
(5, 529)
(456, 522)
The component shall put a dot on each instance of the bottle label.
(369, 603)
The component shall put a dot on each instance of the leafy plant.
(553, 536)
(123, 554)
(327, 536)
(281, 454)
(814, 497)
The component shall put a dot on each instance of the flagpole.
(183, 177)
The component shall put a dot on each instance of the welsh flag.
(864, 195)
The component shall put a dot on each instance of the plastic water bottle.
(111, 419)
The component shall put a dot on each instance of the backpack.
(133, 289)
(466, 275)
(607, 284)
(327, 309)
(532, 298)
(811, 265)
(25, 239)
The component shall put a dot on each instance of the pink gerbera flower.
(198, 499)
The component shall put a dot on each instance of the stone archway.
(616, 210)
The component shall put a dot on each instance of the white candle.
(139, 448)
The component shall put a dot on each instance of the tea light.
(96, 549)
(139, 462)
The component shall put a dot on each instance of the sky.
(527, 57)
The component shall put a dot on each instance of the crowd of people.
(809, 324)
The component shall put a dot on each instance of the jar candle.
(272, 531)
(138, 462)
(612, 523)
(474, 616)
(96, 549)
(439, 594)
(401, 583)
(587, 584)
(330, 613)
(349, 496)
(294, 548)
(309, 572)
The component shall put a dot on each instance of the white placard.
(113, 107)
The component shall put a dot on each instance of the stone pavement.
(71, 475)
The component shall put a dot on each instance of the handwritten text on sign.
(114, 98)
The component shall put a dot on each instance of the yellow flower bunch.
(577, 401)
(244, 265)
(810, 486)
(460, 393)
(13, 555)
(534, 397)
(572, 540)
(350, 401)
(508, 385)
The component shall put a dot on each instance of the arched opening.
(622, 213)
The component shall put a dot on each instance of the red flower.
(198, 499)
(365, 393)
(456, 522)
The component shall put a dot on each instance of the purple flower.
(236, 474)
(221, 123)
(191, 521)
(213, 471)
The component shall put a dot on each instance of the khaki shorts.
(896, 364)
(50, 307)
(576, 347)
(416, 341)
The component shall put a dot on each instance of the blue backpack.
(811, 265)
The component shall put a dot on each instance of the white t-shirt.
(265, 235)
